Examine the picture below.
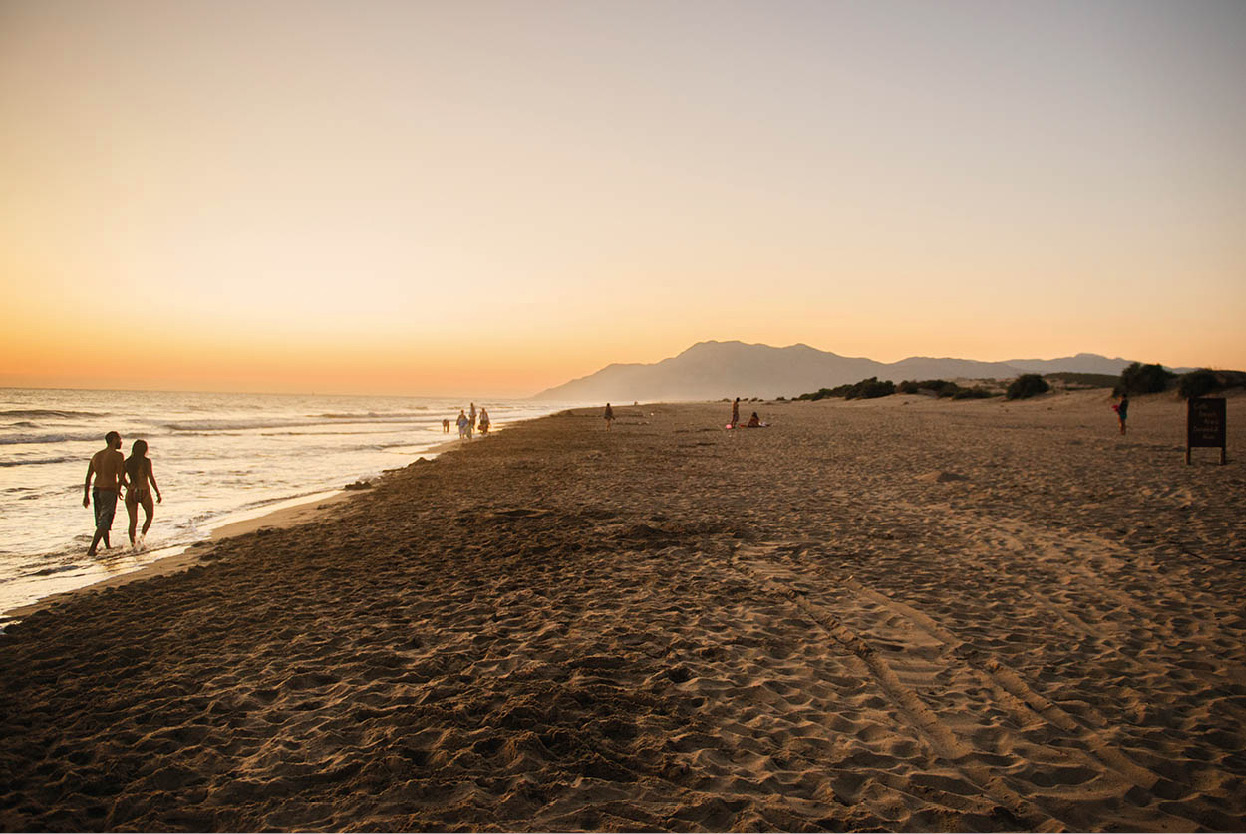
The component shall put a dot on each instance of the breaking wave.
(54, 414)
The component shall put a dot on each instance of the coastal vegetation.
(1143, 379)
(1026, 386)
(977, 392)
(1135, 379)
(941, 388)
(937, 387)
(1205, 381)
(1078, 381)
(866, 389)
(1154, 379)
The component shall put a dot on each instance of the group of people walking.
(112, 471)
(468, 422)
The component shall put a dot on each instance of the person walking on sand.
(108, 468)
(471, 418)
(462, 423)
(735, 414)
(609, 416)
(483, 422)
(1122, 410)
(142, 482)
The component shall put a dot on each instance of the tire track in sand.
(1062, 762)
(998, 676)
(937, 733)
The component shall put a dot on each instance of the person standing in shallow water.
(609, 415)
(108, 468)
(142, 482)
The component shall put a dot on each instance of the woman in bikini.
(142, 482)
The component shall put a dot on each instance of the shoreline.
(318, 506)
(193, 554)
(306, 510)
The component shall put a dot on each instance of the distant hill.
(713, 370)
(1082, 363)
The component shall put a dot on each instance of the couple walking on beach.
(112, 471)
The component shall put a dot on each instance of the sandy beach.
(896, 614)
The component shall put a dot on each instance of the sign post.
(1205, 426)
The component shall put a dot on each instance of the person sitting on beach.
(609, 416)
(142, 482)
(483, 422)
(462, 423)
(754, 422)
(108, 468)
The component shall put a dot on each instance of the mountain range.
(713, 370)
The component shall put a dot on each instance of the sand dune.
(903, 614)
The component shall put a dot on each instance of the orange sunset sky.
(496, 197)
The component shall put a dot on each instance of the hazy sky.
(495, 197)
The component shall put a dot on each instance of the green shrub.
(1077, 380)
(870, 389)
(1197, 383)
(975, 393)
(1204, 381)
(866, 389)
(1143, 379)
(1027, 385)
(938, 387)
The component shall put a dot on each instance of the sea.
(218, 459)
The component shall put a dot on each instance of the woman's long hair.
(138, 456)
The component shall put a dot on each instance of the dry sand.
(901, 614)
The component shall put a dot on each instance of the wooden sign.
(1205, 426)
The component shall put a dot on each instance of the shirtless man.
(108, 467)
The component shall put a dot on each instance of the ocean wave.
(52, 413)
(335, 432)
(37, 461)
(243, 425)
(201, 426)
(49, 439)
(418, 411)
(392, 445)
(54, 569)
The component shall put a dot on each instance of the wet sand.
(193, 554)
(899, 614)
